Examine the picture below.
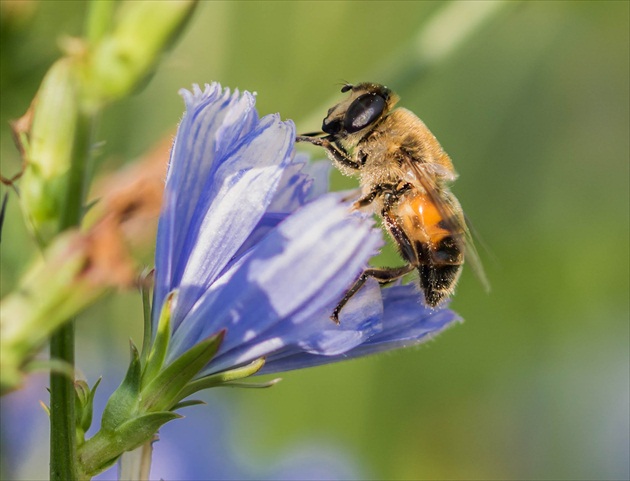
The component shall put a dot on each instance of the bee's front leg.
(336, 152)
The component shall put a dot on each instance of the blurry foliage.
(534, 110)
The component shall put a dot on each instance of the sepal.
(185, 404)
(165, 390)
(139, 430)
(157, 354)
(145, 400)
(223, 378)
(122, 405)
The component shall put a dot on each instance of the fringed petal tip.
(210, 91)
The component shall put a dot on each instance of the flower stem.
(63, 445)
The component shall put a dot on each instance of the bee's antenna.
(346, 88)
(345, 85)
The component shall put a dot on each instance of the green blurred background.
(533, 107)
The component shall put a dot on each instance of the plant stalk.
(63, 444)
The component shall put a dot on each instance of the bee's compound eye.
(363, 111)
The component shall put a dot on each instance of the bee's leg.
(389, 192)
(384, 190)
(312, 134)
(382, 275)
(334, 150)
(367, 199)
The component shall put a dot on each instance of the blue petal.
(239, 172)
(214, 120)
(313, 332)
(304, 263)
(242, 192)
(320, 172)
(406, 322)
(293, 191)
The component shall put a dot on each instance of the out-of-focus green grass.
(534, 110)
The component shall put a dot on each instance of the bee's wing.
(450, 211)
(472, 257)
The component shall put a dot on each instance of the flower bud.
(83, 407)
(47, 143)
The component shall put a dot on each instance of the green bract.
(149, 394)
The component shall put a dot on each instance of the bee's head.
(367, 104)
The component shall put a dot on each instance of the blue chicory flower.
(252, 244)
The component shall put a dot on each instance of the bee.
(404, 175)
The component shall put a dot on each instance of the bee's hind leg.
(382, 275)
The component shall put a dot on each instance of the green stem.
(99, 19)
(63, 444)
(98, 453)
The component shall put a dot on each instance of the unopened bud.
(47, 146)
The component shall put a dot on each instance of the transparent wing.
(424, 177)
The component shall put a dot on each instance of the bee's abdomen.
(439, 268)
